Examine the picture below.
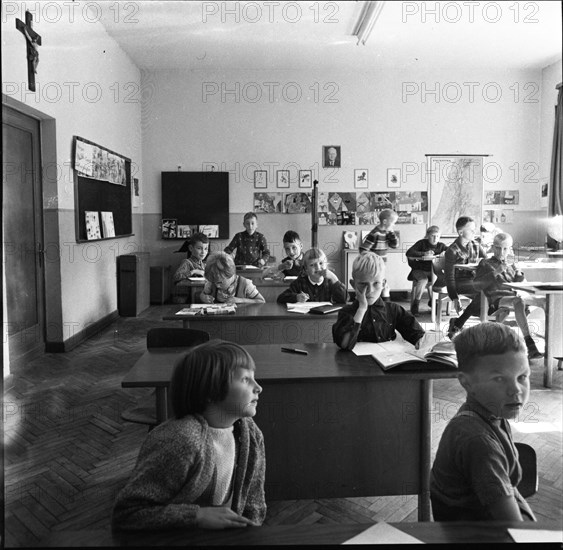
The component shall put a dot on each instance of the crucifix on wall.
(33, 40)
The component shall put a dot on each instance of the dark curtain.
(555, 194)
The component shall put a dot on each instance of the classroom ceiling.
(311, 35)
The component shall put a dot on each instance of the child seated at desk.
(206, 466)
(292, 264)
(492, 273)
(369, 318)
(476, 469)
(419, 257)
(464, 250)
(223, 285)
(250, 245)
(316, 282)
(194, 264)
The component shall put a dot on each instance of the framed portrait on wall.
(282, 178)
(260, 179)
(305, 178)
(361, 178)
(331, 156)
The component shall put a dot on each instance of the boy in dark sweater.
(369, 318)
(420, 256)
(316, 283)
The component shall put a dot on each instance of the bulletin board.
(197, 199)
(102, 184)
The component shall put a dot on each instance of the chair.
(528, 485)
(164, 337)
(439, 291)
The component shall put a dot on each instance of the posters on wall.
(348, 208)
(495, 206)
(96, 162)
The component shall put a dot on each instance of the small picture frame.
(393, 177)
(282, 178)
(361, 178)
(305, 178)
(169, 228)
(260, 179)
(331, 156)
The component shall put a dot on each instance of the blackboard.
(197, 198)
(91, 194)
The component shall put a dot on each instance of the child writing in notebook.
(223, 285)
(205, 467)
(476, 469)
(250, 245)
(316, 282)
(194, 264)
(369, 318)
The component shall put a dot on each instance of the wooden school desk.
(262, 324)
(334, 424)
(317, 534)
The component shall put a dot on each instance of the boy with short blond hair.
(316, 282)
(250, 245)
(476, 469)
(492, 273)
(369, 318)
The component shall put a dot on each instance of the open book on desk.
(305, 307)
(242, 267)
(394, 354)
(208, 309)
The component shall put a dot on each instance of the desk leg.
(552, 336)
(185, 323)
(484, 307)
(161, 404)
(425, 450)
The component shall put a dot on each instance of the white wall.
(91, 87)
(387, 119)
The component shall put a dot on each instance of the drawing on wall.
(96, 162)
(361, 178)
(268, 203)
(260, 179)
(543, 192)
(341, 202)
(393, 177)
(366, 218)
(297, 203)
(411, 206)
(456, 189)
(184, 231)
(350, 239)
(108, 229)
(211, 231)
(381, 201)
(501, 197)
(305, 178)
(322, 202)
(92, 225)
(169, 228)
(282, 178)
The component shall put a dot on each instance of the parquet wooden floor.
(67, 451)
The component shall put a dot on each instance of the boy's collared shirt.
(491, 284)
(327, 291)
(296, 268)
(249, 248)
(186, 267)
(457, 253)
(378, 324)
(421, 248)
(476, 463)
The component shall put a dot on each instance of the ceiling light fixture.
(366, 21)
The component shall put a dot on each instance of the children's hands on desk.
(302, 297)
(206, 298)
(220, 518)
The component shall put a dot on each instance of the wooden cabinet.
(133, 287)
(396, 272)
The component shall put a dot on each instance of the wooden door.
(22, 224)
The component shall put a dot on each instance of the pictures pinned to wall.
(305, 178)
(108, 228)
(92, 226)
(393, 177)
(361, 178)
(499, 216)
(282, 178)
(169, 228)
(297, 203)
(543, 192)
(268, 203)
(500, 198)
(260, 179)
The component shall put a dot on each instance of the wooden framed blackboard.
(197, 198)
(102, 184)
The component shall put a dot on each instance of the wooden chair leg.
(433, 308)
